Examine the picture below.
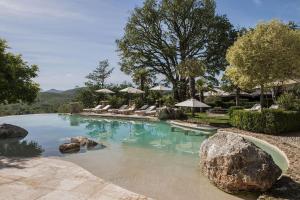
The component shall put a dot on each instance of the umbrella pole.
(193, 112)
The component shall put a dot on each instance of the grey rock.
(12, 131)
(69, 148)
(234, 164)
(80, 140)
(91, 143)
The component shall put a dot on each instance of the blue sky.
(67, 38)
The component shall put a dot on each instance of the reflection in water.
(141, 134)
(17, 148)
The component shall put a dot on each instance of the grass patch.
(213, 120)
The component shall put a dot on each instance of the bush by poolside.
(73, 107)
(232, 108)
(267, 121)
(171, 113)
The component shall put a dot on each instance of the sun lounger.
(144, 107)
(274, 106)
(143, 112)
(151, 113)
(127, 111)
(256, 107)
(103, 109)
(92, 109)
(116, 110)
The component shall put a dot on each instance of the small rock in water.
(12, 131)
(80, 140)
(91, 143)
(69, 148)
(234, 164)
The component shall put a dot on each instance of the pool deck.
(205, 128)
(51, 178)
(119, 116)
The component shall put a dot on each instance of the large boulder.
(69, 148)
(234, 164)
(12, 131)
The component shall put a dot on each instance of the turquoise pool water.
(151, 158)
(48, 131)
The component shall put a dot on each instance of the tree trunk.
(237, 96)
(262, 103)
(142, 85)
(192, 91)
(192, 87)
(175, 92)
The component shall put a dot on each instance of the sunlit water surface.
(150, 158)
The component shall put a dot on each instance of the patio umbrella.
(105, 91)
(161, 89)
(131, 90)
(192, 103)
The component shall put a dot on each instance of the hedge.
(232, 108)
(267, 121)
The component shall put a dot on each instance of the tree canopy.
(163, 33)
(98, 77)
(16, 76)
(268, 53)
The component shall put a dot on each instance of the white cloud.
(34, 8)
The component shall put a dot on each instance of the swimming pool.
(150, 158)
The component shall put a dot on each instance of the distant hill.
(53, 91)
(46, 102)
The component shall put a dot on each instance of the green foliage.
(171, 113)
(204, 118)
(264, 55)
(191, 68)
(73, 107)
(168, 100)
(87, 97)
(98, 77)
(232, 108)
(287, 101)
(45, 103)
(214, 101)
(116, 101)
(161, 34)
(268, 121)
(16, 76)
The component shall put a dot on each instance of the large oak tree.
(164, 33)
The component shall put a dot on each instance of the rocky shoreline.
(288, 187)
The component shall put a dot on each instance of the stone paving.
(50, 178)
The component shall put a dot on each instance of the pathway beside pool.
(50, 178)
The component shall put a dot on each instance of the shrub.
(287, 101)
(268, 121)
(171, 113)
(232, 108)
(74, 107)
(116, 101)
(214, 101)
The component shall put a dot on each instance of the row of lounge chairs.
(124, 109)
(257, 107)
